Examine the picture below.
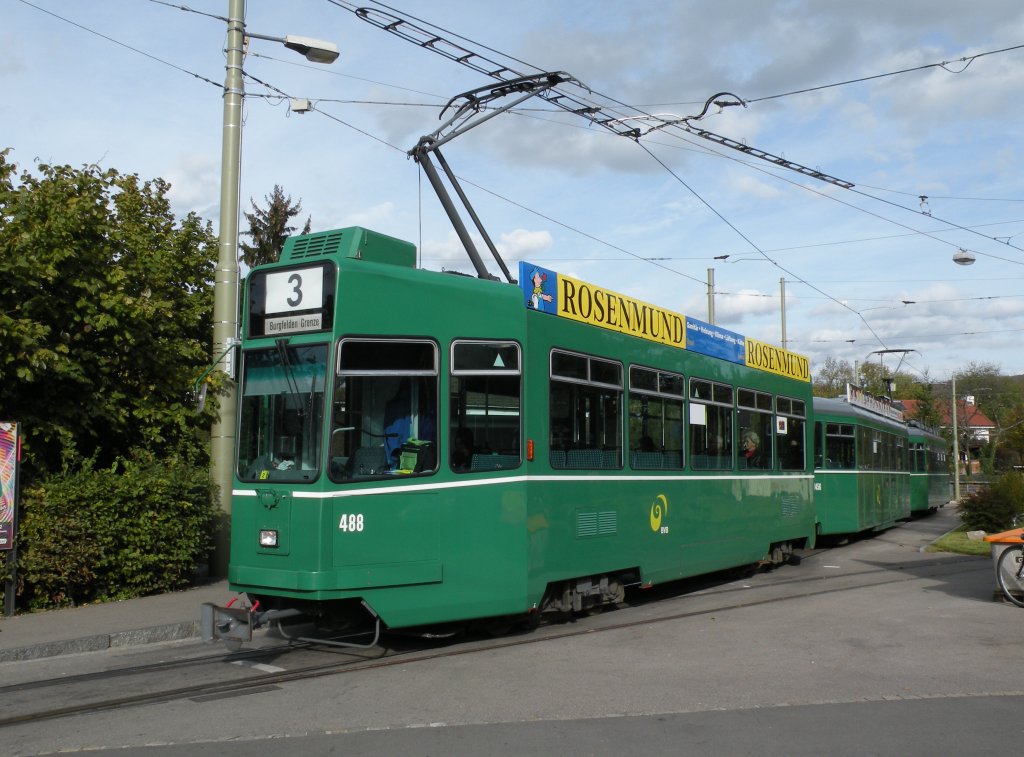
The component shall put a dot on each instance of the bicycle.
(1010, 573)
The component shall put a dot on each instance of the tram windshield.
(281, 418)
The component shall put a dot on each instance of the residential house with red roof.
(973, 426)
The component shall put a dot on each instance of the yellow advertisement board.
(546, 291)
(587, 303)
(768, 357)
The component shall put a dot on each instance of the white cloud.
(521, 244)
(195, 183)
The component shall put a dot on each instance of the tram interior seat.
(367, 461)
(584, 458)
(493, 462)
(837, 465)
(710, 462)
(647, 460)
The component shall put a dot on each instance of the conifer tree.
(269, 227)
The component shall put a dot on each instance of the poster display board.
(8, 483)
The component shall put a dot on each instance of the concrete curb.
(99, 642)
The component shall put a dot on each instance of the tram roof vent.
(354, 242)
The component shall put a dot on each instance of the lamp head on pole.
(315, 50)
(963, 257)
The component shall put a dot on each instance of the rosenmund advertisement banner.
(547, 291)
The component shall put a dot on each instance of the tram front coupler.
(234, 624)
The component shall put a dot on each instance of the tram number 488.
(351, 522)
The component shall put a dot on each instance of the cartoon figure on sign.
(539, 296)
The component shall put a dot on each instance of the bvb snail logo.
(659, 508)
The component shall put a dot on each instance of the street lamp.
(963, 257)
(315, 50)
(225, 284)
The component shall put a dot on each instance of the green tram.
(861, 464)
(435, 447)
(929, 469)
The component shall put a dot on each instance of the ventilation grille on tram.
(315, 245)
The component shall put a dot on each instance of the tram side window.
(892, 461)
(484, 399)
(711, 424)
(840, 444)
(384, 414)
(656, 400)
(281, 413)
(901, 454)
(869, 449)
(586, 400)
(791, 425)
(754, 418)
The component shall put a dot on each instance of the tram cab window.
(384, 413)
(790, 425)
(585, 417)
(485, 422)
(755, 421)
(711, 425)
(655, 419)
(281, 413)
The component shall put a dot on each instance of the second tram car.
(861, 464)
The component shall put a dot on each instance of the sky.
(916, 104)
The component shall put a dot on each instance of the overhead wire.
(432, 43)
(122, 44)
(967, 60)
(703, 148)
(665, 166)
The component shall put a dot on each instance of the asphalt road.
(871, 648)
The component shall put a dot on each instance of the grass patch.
(957, 541)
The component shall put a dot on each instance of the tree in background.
(269, 228)
(930, 407)
(106, 304)
(831, 378)
(105, 315)
(1000, 398)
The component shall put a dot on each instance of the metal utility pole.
(225, 285)
(711, 297)
(225, 282)
(782, 292)
(956, 448)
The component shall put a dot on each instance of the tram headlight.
(268, 538)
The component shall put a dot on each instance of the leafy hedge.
(140, 527)
(996, 507)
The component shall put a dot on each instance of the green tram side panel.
(590, 522)
(427, 552)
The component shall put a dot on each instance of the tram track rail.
(353, 661)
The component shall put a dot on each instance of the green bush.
(994, 508)
(140, 527)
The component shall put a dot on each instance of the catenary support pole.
(225, 307)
